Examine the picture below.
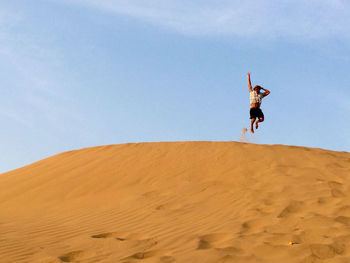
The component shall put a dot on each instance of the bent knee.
(261, 119)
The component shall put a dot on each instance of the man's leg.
(252, 125)
(261, 119)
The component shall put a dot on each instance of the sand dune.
(188, 202)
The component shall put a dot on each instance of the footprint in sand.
(323, 251)
(292, 208)
(143, 255)
(123, 236)
(75, 255)
(344, 211)
(169, 206)
(212, 240)
(203, 244)
(131, 240)
(323, 200)
(105, 235)
(334, 184)
(344, 220)
(149, 254)
(249, 226)
(151, 194)
(336, 189)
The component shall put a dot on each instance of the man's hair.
(257, 88)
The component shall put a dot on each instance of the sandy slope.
(188, 202)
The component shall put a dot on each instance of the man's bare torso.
(255, 105)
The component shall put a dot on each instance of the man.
(256, 114)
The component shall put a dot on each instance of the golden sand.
(187, 202)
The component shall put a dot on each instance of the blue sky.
(79, 73)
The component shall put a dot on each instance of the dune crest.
(184, 202)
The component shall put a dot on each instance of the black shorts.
(256, 113)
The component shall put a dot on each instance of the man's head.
(257, 88)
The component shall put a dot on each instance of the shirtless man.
(256, 114)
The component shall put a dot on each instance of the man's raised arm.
(249, 83)
(267, 92)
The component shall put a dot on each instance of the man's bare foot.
(256, 125)
(252, 129)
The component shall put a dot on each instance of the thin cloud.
(32, 88)
(251, 18)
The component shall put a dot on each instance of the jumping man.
(255, 103)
